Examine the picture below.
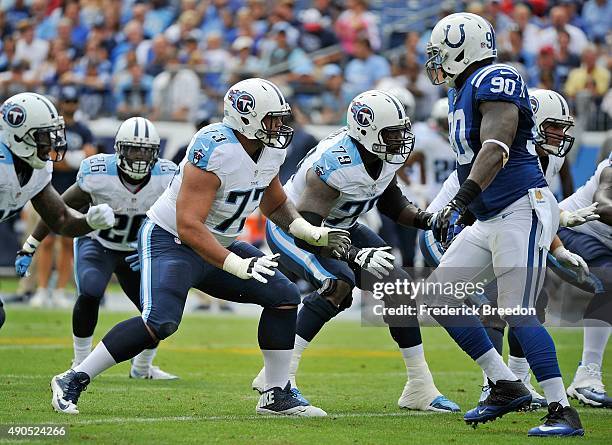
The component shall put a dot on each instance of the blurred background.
(172, 61)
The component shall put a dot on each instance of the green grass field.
(354, 373)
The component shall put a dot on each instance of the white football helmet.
(378, 121)
(137, 147)
(457, 41)
(33, 129)
(439, 114)
(248, 103)
(553, 122)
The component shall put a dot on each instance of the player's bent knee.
(161, 331)
(286, 293)
(337, 293)
(90, 285)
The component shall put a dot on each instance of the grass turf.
(354, 373)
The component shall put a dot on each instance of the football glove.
(100, 217)
(254, 267)
(335, 239)
(24, 256)
(376, 260)
(572, 261)
(577, 217)
(133, 261)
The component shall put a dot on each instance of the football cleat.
(537, 400)
(259, 381)
(153, 373)
(504, 397)
(66, 389)
(282, 402)
(425, 398)
(41, 298)
(588, 387)
(298, 395)
(560, 421)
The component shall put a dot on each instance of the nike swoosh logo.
(61, 404)
(482, 411)
(551, 428)
(506, 214)
(204, 146)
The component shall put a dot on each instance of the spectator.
(133, 41)
(365, 69)
(574, 18)
(589, 77)
(58, 73)
(564, 59)
(314, 35)
(334, 99)
(133, 94)
(545, 76)
(515, 54)
(7, 53)
(493, 12)
(597, 16)
(6, 27)
(283, 49)
(158, 18)
(243, 61)
(93, 74)
(64, 35)
(79, 31)
(257, 15)
(187, 24)
(79, 140)
(521, 15)
(413, 78)
(168, 94)
(559, 21)
(217, 61)
(356, 23)
(157, 56)
(18, 12)
(44, 24)
(18, 80)
(28, 48)
(301, 143)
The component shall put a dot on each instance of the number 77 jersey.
(494, 83)
(98, 176)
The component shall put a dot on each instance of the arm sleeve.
(392, 201)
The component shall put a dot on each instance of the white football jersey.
(98, 176)
(440, 159)
(12, 195)
(583, 197)
(337, 162)
(216, 149)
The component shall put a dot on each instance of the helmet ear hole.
(460, 56)
(245, 120)
(363, 132)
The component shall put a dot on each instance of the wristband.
(30, 245)
(300, 228)
(235, 265)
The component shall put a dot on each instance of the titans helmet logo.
(13, 114)
(362, 114)
(535, 104)
(242, 101)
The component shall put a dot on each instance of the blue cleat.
(66, 389)
(504, 397)
(560, 421)
(298, 395)
(443, 405)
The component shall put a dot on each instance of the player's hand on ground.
(23, 262)
(572, 261)
(376, 260)
(254, 267)
(133, 261)
(580, 216)
(100, 217)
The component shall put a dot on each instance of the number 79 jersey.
(98, 176)
(216, 149)
(494, 83)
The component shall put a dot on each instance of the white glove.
(336, 239)
(572, 261)
(100, 217)
(253, 267)
(577, 217)
(376, 260)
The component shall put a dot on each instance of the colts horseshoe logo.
(461, 36)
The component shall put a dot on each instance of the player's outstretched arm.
(74, 198)
(304, 227)
(65, 221)
(603, 195)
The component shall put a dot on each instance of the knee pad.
(164, 330)
(600, 308)
(90, 284)
(337, 292)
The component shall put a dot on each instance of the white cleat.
(41, 298)
(281, 402)
(588, 387)
(537, 400)
(154, 373)
(66, 389)
(425, 398)
(259, 382)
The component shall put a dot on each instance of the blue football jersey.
(496, 83)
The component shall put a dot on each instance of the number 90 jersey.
(336, 161)
(494, 83)
(98, 176)
(216, 149)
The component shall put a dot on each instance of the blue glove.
(22, 263)
(133, 262)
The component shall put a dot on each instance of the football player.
(502, 184)
(31, 137)
(553, 141)
(189, 240)
(130, 181)
(343, 177)
(593, 241)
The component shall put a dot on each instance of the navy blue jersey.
(496, 83)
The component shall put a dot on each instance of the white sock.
(299, 347)
(97, 362)
(417, 368)
(82, 348)
(485, 379)
(276, 364)
(596, 334)
(493, 365)
(519, 366)
(554, 391)
(143, 361)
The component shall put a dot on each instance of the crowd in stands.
(167, 59)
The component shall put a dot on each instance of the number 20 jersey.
(494, 83)
(99, 177)
(216, 149)
(336, 161)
